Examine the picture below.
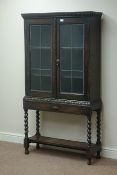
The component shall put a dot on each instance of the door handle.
(57, 62)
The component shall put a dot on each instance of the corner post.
(26, 140)
(37, 127)
(89, 137)
(98, 133)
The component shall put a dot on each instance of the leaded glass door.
(72, 58)
(40, 58)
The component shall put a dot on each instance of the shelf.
(73, 77)
(63, 143)
(71, 70)
(72, 47)
(39, 69)
(38, 75)
(37, 47)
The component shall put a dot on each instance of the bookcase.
(62, 72)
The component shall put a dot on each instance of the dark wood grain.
(26, 140)
(82, 14)
(55, 101)
(63, 143)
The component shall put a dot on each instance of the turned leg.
(98, 133)
(37, 127)
(26, 140)
(89, 138)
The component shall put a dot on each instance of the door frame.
(28, 90)
(74, 20)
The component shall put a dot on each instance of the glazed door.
(39, 70)
(72, 56)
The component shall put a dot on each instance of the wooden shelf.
(63, 143)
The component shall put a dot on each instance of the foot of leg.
(26, 151)
(98, 155)
(37, 146)
(26, 146)
(89, 161)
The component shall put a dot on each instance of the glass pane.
(45, 80)
(41, 57)
(77, 81)
(35, 77)
(77, 35)
(35, 58)
(77, 59)
(45, 36)
(66, 81)
(65, 38)
(65, 59)
(72, 58)
(35, 35)
(46, 59)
